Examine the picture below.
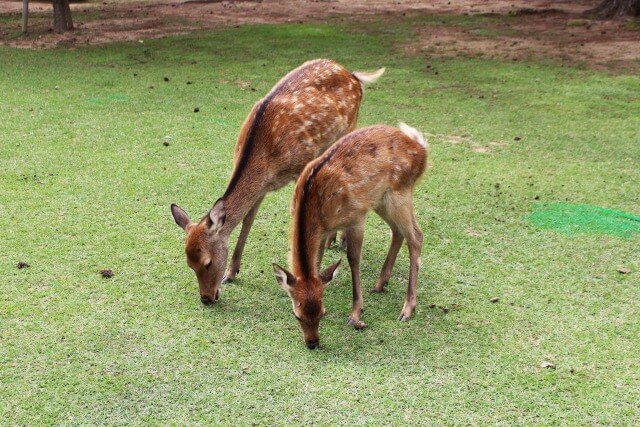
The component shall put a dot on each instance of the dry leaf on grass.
(106, 273)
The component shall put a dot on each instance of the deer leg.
(247, 222)
(387, 268)
(414, 242)
(399, 210)
(330, 239)
(355, 236)
(333, 237)
(343, 240)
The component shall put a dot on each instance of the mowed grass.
(86, 184)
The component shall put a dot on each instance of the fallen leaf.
(623, 270)
(107, 273)
(494, 299)
(547, 365)
(22, 265)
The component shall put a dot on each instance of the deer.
(373, 168)
(304, 113)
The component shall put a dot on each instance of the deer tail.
(368, 78)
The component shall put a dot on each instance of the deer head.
(306, 299)
(206, 248)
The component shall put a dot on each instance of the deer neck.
(247, 190)
(305, 245)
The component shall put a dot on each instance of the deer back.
(352, 177)
(305, 112)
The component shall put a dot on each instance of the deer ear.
(285, 279)
(180, 216)
(329, 273)
(217, 215)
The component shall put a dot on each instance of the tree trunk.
(616, 9)
(62, 16)
(25, 15)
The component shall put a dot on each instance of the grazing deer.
(374, 168)
(304, 113)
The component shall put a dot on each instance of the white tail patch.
(368, 78)
(414, 134)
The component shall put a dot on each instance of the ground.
(541, 29)
(528, 293)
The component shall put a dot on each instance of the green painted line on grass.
(572, 218)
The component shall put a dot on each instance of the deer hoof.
(358, 324)
(379, 288)
(404, 318)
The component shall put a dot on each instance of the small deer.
(305, 112)
(374, 168)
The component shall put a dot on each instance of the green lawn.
(86, 184)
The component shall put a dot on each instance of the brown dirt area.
(508, 30)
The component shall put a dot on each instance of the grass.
(86, 184)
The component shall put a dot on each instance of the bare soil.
(565, 35)
(512, 30)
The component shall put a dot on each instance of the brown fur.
(305, 112)
(374, 168)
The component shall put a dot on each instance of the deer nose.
(207, 300)
(312, 345)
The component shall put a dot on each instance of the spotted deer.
(374, 168)
(304, 113)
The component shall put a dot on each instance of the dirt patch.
(548, 34)
(512, 30)
(473, 145)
